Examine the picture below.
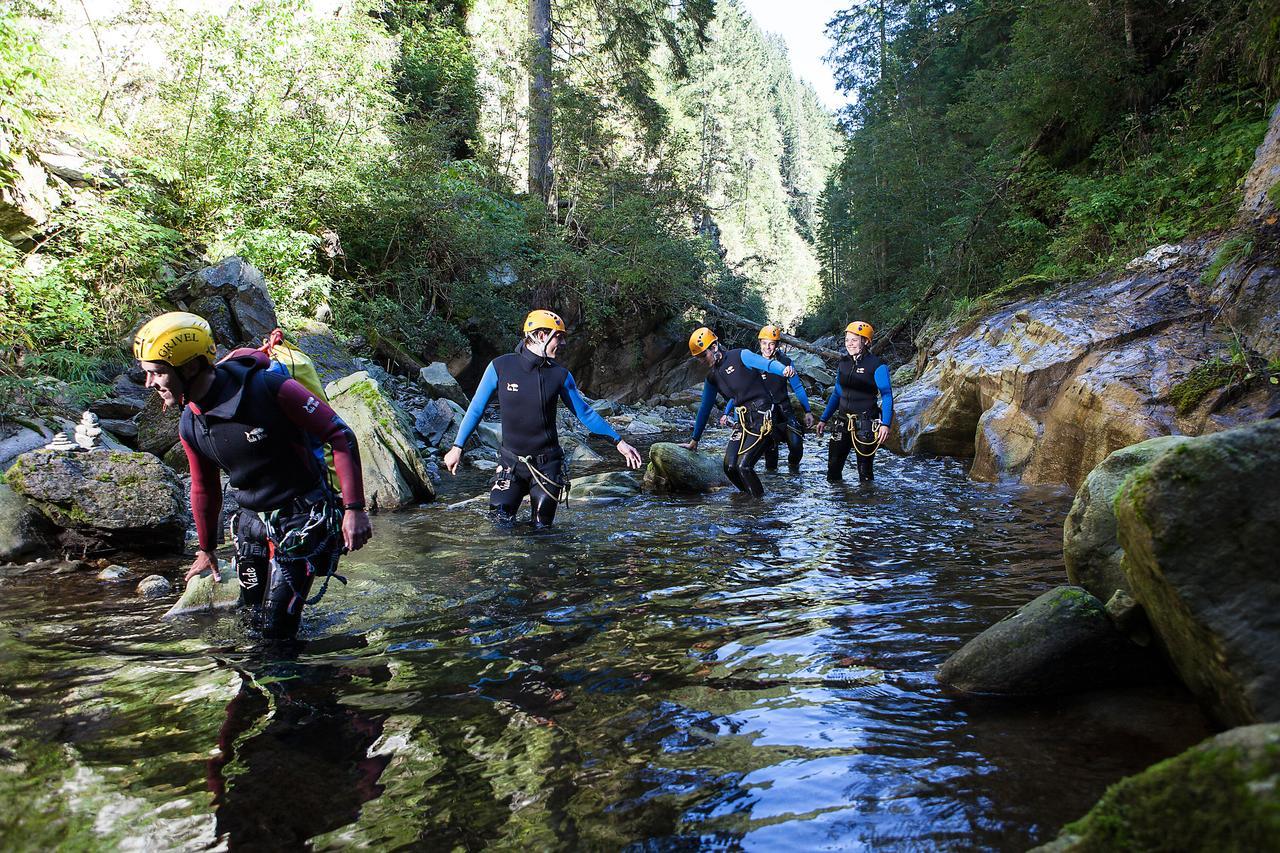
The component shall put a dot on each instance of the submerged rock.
(1222, 794)
(1200, 528)
(117, 500)
(154, 586)
(1058, 643)
(115, 574)
(609, 486)
(1090, 548)
(395, 473)
(672, 468)
(204, 595)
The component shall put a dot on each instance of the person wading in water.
(785, 426)
(528, 383)
(861, 423)
(736, 374)
(262, 429)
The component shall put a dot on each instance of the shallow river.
(668, 673)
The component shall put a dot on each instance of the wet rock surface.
(672, 468)
(23, 530)
(205, 595)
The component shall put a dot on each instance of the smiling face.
(164, 379)
(768, 348)
(855, 344)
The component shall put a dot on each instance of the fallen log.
(743, 322)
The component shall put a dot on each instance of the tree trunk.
(743, 322)
(540, 104)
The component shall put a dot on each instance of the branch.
(743, 322)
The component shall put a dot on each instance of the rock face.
(105, 499)
(395, 474)
(26, 199)
(157, 427)
(1222, 794)
(1265, 173)
(439, 382)
(22, 531)
(331, 359)
(1090, 548)
(675, 469)
(232, 295)
(1200, 529)
(1060, 642)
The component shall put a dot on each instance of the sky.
(803, 23)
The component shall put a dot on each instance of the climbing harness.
(766, 427)
(859, 444)
(558, 492)
(313, 538)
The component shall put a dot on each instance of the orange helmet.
(543, 320)
(770, 333)
(700, 340)
(860, 329)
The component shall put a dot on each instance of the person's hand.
(788, 372)
(808, 420)
(452, 458)
(356, 529)
(630, 454)
(820, 427)
(690, 445)
(724, 420)
(205, 562)
(882, 433)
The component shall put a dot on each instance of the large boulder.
(1200, 528)
(433, 420)
(27, 198)
(22, 529)
(232, 295)
(1090, 548)
(439, 382)
(204, 595)
(332, 360)
(672, 468)
(1222, 794)
(1060, 642)
(606, 487)
(128, 501)
(395, 474)
(125, 400)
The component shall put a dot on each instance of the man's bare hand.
(452, 458)
(630, 454)
(820, 427)
(205, 561)
(808, 420)
(882, 434)
(356, 529)
(690, 445)
(788, 372)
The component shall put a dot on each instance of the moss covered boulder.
(606, 487)
(1200, 528)
(1222, 794)
(204, 595)
(672, 468)
(22, 529)
(1059, 643)
(1089, 544)
(395, 473)
(104, 499)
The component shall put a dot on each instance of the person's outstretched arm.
(704, 411)
(484, 392)
(591, 419)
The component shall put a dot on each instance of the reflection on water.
(665, 673)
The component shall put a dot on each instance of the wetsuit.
(736, 377)
(264, 429)
(531, 461)
(785, 426)
(859, 382)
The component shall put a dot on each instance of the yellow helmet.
(860, 329)
(543, 320)
(174, 338)
(700, 340)
(770, 333)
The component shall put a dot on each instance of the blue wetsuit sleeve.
(728, 407)
(488, 384)
(886, 394)
(832, 402)
(798, 390)
(704, 410)
(758, 362)
(590, 417)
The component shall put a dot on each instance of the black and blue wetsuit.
(785, 425)
(862, 395)
(736, 377)
(531, 461)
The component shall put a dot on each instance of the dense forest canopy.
(371, 158)
(1004, 146)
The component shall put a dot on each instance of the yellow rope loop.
(858, 444)
(766, 427)
(558, 492)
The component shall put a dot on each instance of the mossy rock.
(672, 468)
(1090, 548)
(606, 487)
(1222, 794)
(1200, 529)
(1061, 642)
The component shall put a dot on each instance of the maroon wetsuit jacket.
(262, 429)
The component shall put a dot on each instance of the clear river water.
(665, 673)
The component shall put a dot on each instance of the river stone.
(105, 498)
(437, 379)
(1089, 545)
(1200, 528)
(154, 586)
(642, 427)
(609, 486)
(1222, 794)
(1058, 643)
(395, 473)
(125, 400)
(22, 528)
(672, 468)
(433, 421)
(204, 595)
(158, 427)
(489, 434)
(578, 452)
(115, 574)
(237, 284)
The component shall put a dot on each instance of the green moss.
(1235, 248)
(1201, 797)
(1188, 393)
